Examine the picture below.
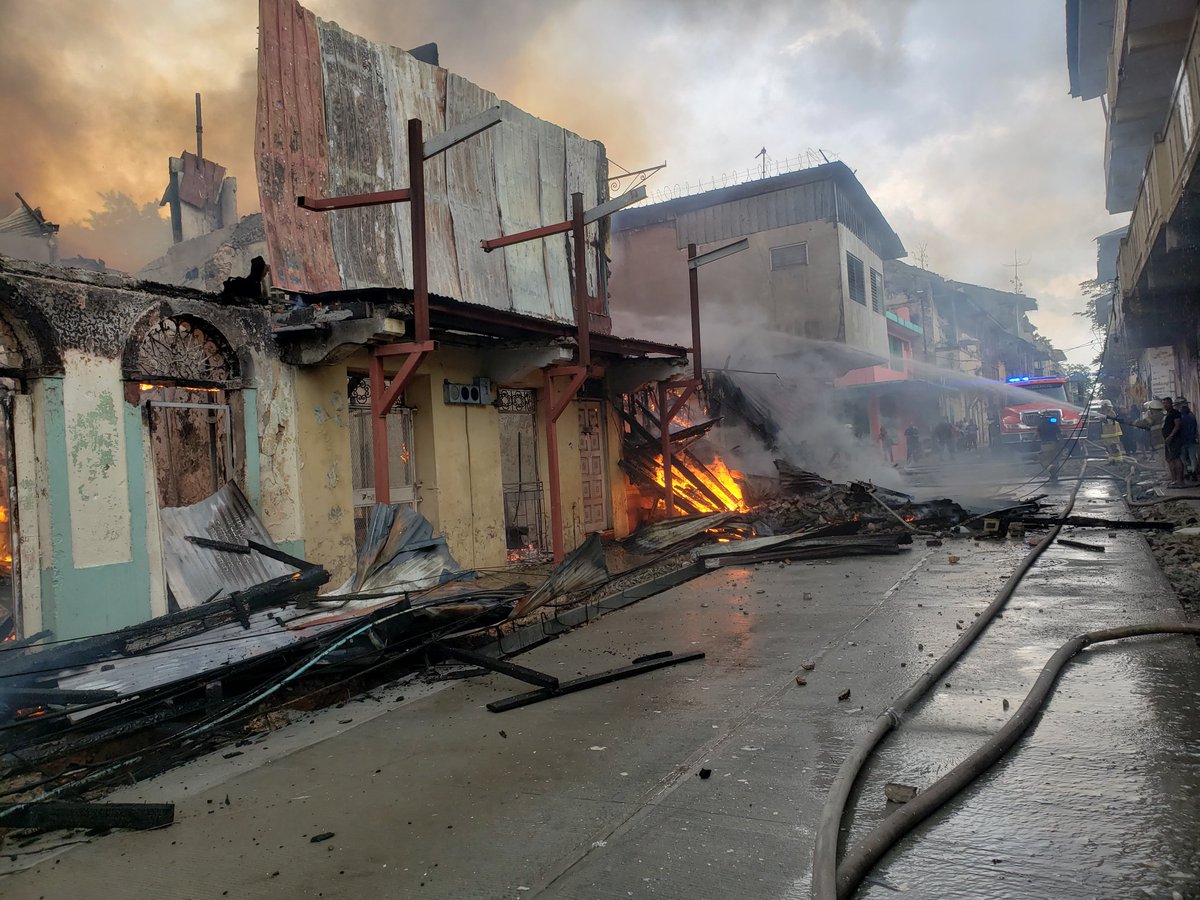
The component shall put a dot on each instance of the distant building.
(814, 268)
(25, 234)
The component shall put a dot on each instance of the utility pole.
(199, 129)
(762, 153)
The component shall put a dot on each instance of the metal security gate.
(524, 531)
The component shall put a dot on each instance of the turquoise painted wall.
(98, 599)
(93, 600)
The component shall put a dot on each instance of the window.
(896, 351)
(401, 467)
(876, 292)
(856, 279)
(789, 256)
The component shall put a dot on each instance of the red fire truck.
(1047, 394)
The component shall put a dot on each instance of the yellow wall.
(326, 501)
(458, 461)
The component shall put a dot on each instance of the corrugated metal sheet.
(514, 177)
(748, 215)
(195, 573)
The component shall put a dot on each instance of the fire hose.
(833, 881)
(869, 850)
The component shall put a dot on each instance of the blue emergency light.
(1016, 379)
(1054, 419)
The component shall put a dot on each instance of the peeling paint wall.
(325, 489)
(89, 542)
(458, 461)
(97, 485)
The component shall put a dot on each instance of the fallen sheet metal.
(660, 536)
(195, 573)
(399, 553)
(582, 569)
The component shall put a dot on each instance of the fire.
(528, 553)
(721, 482)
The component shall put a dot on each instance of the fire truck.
(1047, 394)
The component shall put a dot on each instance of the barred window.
(876, 292)
(789, 255)
(856, 279)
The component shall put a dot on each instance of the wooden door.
(592, 469)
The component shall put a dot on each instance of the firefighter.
(1110, 431)
(1050, 434)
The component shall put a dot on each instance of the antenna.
(199, 129)
(1016, 265)
(763, 154)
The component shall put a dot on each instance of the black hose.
(871, 848)
(824, 876)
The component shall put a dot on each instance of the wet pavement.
(597, 795)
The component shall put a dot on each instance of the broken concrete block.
(808, 666)
(899, 793)
(953, 560)
(844, 695)
(801, 681)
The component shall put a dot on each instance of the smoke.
(97, 96)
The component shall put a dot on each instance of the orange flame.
(721, 481)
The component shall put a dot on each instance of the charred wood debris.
(78, 717)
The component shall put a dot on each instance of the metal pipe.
(556, 516)
(694, 293)
(871, 848)
(582, 315)
(379, 435)
(420, 257)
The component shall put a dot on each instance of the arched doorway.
(185, 371)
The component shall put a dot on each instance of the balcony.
(1171, 163)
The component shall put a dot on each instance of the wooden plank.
(471, 194)
(51, 814)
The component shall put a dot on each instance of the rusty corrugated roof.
(332, 117)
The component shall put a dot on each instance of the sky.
(955, 115)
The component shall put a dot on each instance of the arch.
(181, 349)
(26, 332)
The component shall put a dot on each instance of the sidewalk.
(597, 794)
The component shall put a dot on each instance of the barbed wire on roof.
(769, 168)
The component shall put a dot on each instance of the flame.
(528, 553)
(723, 483)
(3, 513)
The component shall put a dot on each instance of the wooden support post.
(664, 430)
(553, 408)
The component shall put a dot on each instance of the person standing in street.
(885, 444)
(1050, 435)
(1172, 433)
(1188, 433)
(943, 437)
(912, 444)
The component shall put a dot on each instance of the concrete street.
(596, 795)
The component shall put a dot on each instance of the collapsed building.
(387, 363)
